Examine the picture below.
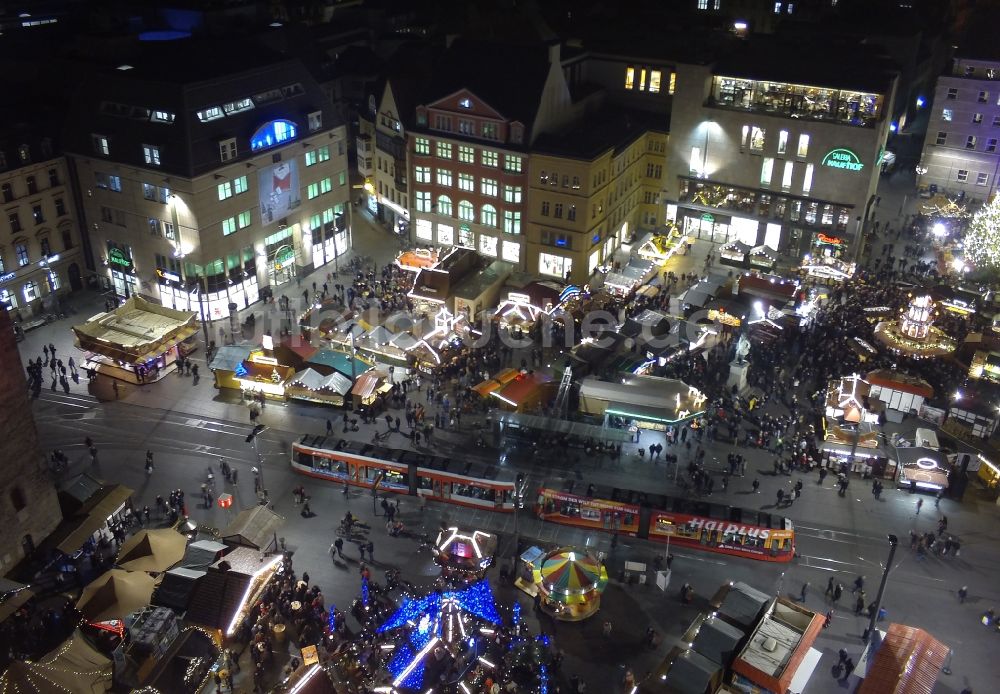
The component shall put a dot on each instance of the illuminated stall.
(913, 334)
(259, 373)
(569, 581)
(988, 474)
(311, 386)
(629, 277)
(763, 257)
(369, 388)
(648, 402)
(922, 468)
(734, 254)
(464, 554)
(498, 381)
(418, 258)
(660, 247)
(526, 391)
(135, 342)
(225, 362)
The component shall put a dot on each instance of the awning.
(255, 528)
(93, 516)
(907, 662)
(805, 671)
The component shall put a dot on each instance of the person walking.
(963, 593)
(802, 593)
(859, 584)
(830, 585)
(339, 546)
(329, 427)
(837, 592)
(920, 503)
(756, 486)
(114, 387)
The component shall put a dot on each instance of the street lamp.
(259, 470)
(869, 634)
(179, 254)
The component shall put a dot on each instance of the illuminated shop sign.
(120, 259)
(169, 276)
(273, 133)
(842, 158)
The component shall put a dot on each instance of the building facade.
(960, 148)
(29, 507)
(590, 189)
(40, 257)
(207, 190)
(382, 160)
(761, 154)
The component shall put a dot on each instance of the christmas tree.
(982, 240)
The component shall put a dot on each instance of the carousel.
(464, 555)
(569, 582)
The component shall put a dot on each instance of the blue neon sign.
(273, 133)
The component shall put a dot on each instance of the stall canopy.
(370, 384)
(228, 357)
(326, 361)
(92, 516)
(690, 673)
(152, 550)
(525, 390)
(136, 331)
(907, 662)
(75, 667)
(501, 379)
(336, 382)
(254, 527)
(114, 594)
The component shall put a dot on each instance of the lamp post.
(179, 254)
(252, 438)
(519, 488)
(893, 541)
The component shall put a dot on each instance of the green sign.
(707, 217)
(464, 227)
(842, 158)
(285, 256)
(118, 257)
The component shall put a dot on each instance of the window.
(21, 250)
(766, 169)
(512, 163)
(982, 178)
(31, 290)
(240, 184)
(991, 144)
(807, 180)
(151, 154)
(488, 130)
(225, 190)
(511, 222)
(32, 185)
(8, 192)
(488, 215)
(315, 120)
(576, 183)
(421, 145)
(630, 78)
(511, 251)
(571, 213)
(46, 247)
(654, 81)
(545, 208)
(488, 245)
(947, 114)
(229, 226)
(803, 149)
(466, 182)
(100, 143)
(963, 175)
(512, 194)
(444, 177)
(168, 231)
(466, 155)
(422, 199)
(154, 226)
(942, 137)
(446, 234)
(696, 162)
(782, 141)
(425, 230)
(60, 207)
(466, 211)
(36, 214)
(243, 220)
(702, 4)
(312, 191)
(786, 176)
(15, 221)
(996, 121)
(673, 83)
(970, 142)
(490, 158)
(984, 97)
(210, 114)
(554, 265)
(777, 8)
(422, 174)
(558, 211)
(311, 158)
(53, 178)
(323, 153)
(488, 186)
(952, 93)
(444, 150)
(977, 118)
(444, 206)
(326, 185)
(756, 139)
(227, 149)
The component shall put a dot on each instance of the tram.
(680, 521)
(402, 472)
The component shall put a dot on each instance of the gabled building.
(208, 175)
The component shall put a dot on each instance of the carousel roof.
(569, 575)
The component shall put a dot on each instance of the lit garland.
(982, 239)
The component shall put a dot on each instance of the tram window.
(424, 482)
(753, 542)
(303, 458)
(473, 492)
(628, 519)
(587, 513)
(764, 520)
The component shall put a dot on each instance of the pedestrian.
(802, 593)
(837, 592)
(920, 503)
(842, 656)
(339, 545)
(963, 593)
(756, 486)
(371, 551)
(859, 584)
(848, 669)
(329, 427)
(606, 628)
(829, 588)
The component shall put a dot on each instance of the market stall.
(152, 550)
(311, 386)
(734, 254)
(629, 277)
(74, 666)
(262, 374)
(660, 247)
(226, 595)
(370, 388)
(135, 342)
(569, 582)
(526, 391)
(417, 258)
(502, 378)
(114, 594)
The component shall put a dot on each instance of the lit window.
(21, 250)
(642, 79)
(630, 78)
(237, 106)
(696, 161)
(425, 230)
(807, 180)
(786, 176)
(466, 182)
(490, 159)
(422, 200)
(488, 215)
(162, 117)
(777, 8)
(466, 155)
(100, 144)
(511, 252)
(421, 145)
(803, 149)
(756, 139)
(225, 190)
(422, 174)
(947, 114)
(210, 114)
(984, 97)
(782, 141)
(488, 186)
(240, 184)
(151, 154)
(229, 226)
(466, 211)
(512, 163)
(488, 245)
(512, 194)
(673, 83)
(243, 221)
(765, 171)
(444, 177)
(323, 153)
(654, 81)
(970, 142)
(325, 186)
(310, 158)
(702, 4)
(511, 222)
(444, 150)
(977, 118)
(312, 191)
(444, 206)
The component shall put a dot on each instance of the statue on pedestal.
(742, 349)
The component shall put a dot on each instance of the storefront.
(705, 226)
(123, 277)
(329, 240)
(279, 249)
(554, 265)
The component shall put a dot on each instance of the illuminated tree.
(982, 240)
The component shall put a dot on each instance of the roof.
(327, 359)
(472, 286)
(778, 645)
(136, 330)
(312, 380)
(907, 662)
(176, 587)
(903, 382)
(595, 133)
(228, 357)
(523, 387)
(218, 595)
(641, 391)
(717, 640)
(202, 553)
(368, 383)
(690, 673)
(74, 666)
(253, 527)
(91, 517)
(742, 604)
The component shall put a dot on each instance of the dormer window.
(162, 117)
(210, 114)
(315, 121)
(237, 106)
(465, 103)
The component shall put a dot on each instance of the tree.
(982, 240)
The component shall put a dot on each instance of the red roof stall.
(525, 392)
(907, 662)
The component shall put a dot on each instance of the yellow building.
(592, 187)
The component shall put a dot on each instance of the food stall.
(501, 379)
(464, 554)
(526, 391)
(569, 582)
(629, 277)
(417, 258)
(660, 247)
(225, 363)
(370, 388)
(311, 386)
(261, 374)
(734, 254)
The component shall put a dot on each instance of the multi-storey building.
(206, 180)
(469, 145)
(591, 188)
(778, 153)
(960, 149)
(382, 158)
(40, 254)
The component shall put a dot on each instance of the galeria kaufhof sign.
(842, 158)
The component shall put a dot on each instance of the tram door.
(645, 518)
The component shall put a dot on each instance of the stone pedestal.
(737, 376)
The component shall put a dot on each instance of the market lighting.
(982, 239)
(269, 566)
(939, 229)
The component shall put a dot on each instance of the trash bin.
(279, 633)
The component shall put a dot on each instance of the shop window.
(756, 139)
(444, 206)
(446, 234)
(425, 230)
(8, 298)
(511, 252)
(803, 149)
(554, 265)
(782, 141)
(488, 245)
(947, 114)
(31, 291)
